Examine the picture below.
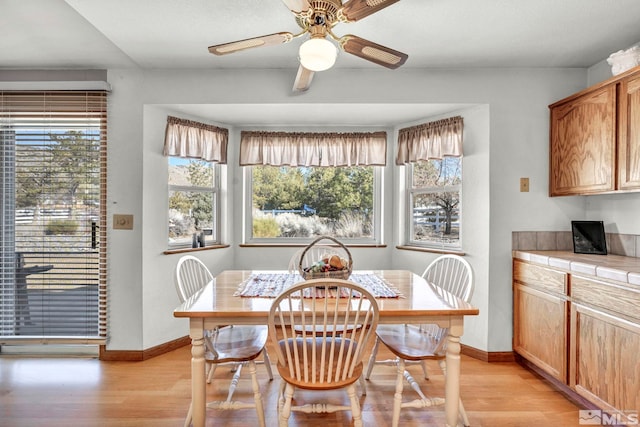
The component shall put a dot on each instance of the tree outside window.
(434, 189)
(193, 198)
(305, 202)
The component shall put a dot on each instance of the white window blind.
(53, 222)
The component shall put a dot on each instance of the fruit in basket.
(318, 267)
(336, 262)
(326, 264)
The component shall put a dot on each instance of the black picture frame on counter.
(589, 237)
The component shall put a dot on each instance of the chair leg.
(363, 385)
(212, 369)
(397, 397)
(187, 421)
(234, 381)
(415, 386)
(267, 363)
(463, 415)
(372, 358)
(281, 396)
(423, 363)
(285, 412)
(355, 406)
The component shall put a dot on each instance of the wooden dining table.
(218, 303)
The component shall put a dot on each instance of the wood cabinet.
(540, 318)
(540, 325)
(604, 366)
(629, 133)
(595, 139)
(583, 144)
(583, 331)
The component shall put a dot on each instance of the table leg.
(452, 378)
(198, 378)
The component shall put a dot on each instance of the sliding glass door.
(53, 185)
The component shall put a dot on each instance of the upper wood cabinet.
(595, 139)
(629, 133)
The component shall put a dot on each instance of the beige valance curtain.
(434, 140)
(194, 140)
(313, 149)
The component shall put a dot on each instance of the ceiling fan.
(318, 53)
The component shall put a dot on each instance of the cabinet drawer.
(609, 296)
(540, 277)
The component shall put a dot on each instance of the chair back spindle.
(191, 276)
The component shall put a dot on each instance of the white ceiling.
(104, 34)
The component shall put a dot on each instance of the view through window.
(193, 201)
(306, 202)
(434, 203)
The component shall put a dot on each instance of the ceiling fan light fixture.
(317, 54)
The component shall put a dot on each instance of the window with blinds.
(53, 216)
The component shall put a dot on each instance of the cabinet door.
(540, 329)
(583, 144)
(604, 364)
(629, 133)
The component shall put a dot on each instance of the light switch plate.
(122, 222)
(524, 185)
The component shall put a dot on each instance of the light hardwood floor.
(87, 392)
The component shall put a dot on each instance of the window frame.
(247, 214)
(216, 210)
(412, 191)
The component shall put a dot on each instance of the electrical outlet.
(122, 222)
(524, 185)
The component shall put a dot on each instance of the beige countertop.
(613, 267)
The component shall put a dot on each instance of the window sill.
(431, 250)
(185, 250)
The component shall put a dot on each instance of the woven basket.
(305, 264)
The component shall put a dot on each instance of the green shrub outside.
(61, 226)
(265, 227)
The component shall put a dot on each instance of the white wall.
(507, 139)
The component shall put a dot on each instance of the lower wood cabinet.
(540, 325)
(586, 334)
(605, 360)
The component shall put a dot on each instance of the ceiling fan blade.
(303, 79)
(297, 6)
(268, 40)
(373, 52)
(354, 10)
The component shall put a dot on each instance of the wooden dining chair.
(450, 275)
(310, 356)
(236, 345)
